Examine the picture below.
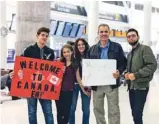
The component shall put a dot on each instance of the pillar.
(3, 35)
(31, 15)
(147, 23)
(93, 21)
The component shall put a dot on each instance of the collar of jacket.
(107, 45)
(136, 47)
(111, 46)
(36, 46)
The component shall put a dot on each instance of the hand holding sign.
(11, 74)
(116, 74)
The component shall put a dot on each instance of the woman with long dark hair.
(81, 48)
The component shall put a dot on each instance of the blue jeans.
(137, 101)
(85, 106)
(46, 107)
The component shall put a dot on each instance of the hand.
(87, 93)
(131, 76)
(116, 74)
(64, 69)
(11, 74)
(126, 76)
(84, 91)
(58, 59)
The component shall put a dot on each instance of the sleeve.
(150, 63)
(4, 80)
(53, 55)
(88, 53)
(122, 61)
(25, 52)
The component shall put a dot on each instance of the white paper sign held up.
(98, 72)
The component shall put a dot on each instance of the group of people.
(138, 69)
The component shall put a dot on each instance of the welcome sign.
(36, 78)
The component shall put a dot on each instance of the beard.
(133, 43)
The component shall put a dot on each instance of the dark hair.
(132, 30)
(72, 57)
(77, 52)
(43, 29)
(71, 43)
(103, 25)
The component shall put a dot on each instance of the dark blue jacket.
(115, 51)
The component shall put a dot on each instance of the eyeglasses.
(133, 35)
(103, 32)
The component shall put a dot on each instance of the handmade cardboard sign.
(36, 78)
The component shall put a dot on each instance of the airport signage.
(67, 8)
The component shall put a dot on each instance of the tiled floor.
(15, 112)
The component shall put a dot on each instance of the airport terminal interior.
(67, 21)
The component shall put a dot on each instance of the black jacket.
(115, 51)
(33, 51)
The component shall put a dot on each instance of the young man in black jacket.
(106, 49)
(40, 51)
